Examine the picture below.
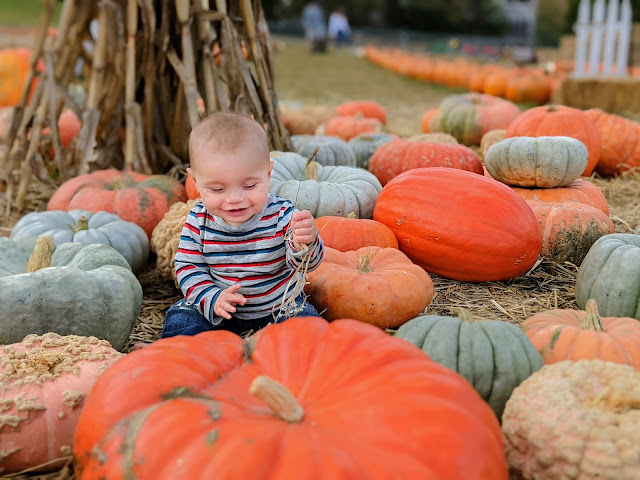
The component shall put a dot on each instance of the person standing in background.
(313, 23)
(339, 29)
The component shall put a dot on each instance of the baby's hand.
(304, 228)
(226, 301)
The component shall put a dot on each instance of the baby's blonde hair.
(227, 131)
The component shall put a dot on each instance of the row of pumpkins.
(517, 84)
(316, 374)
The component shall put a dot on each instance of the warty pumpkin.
(460, 225)
(134, 197)
(552, 120)
(469, 116)
(87, 290)
(332, 151)
(376, 285)
(127, 238)
(303, 399)
(366, 108)
(540, 162)
(566, 334)
(494, 356)
(581, 191)
(401, 155)
(575, 420)
(43, 384)
(569, 229)
(323, 190)
(351, 233)
(610, 275)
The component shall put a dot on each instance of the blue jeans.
(185, 319)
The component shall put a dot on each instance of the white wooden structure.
(606, 31)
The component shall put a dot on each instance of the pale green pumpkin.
(494, 356)
(323, 190)
(81, 226)
(87, 290)
(610, 274)
(332, 151)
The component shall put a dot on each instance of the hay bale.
(611, 94)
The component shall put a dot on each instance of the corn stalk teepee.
(153, 70)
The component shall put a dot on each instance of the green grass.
(23, 12)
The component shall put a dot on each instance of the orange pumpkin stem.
(81, 224)
(278, 398)
(41, 255)
(465, 315)
(592, 319)
(364, 262)
(311, 171)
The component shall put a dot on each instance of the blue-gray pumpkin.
(332, 151)
(494, 356)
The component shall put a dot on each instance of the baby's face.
(233, 186)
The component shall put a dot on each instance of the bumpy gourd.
(494, 356)
(82, 226)
(43, 383)
(88, 290)
(323, 190)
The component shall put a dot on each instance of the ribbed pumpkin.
(426, 119)
(619, 137)
(347, 127)
(574, 335)
(366, 108)
(134, 197)
(45, 380)
(561, 120)
(331, 150)
(303, 399)
(380, 286)
(351, 233)
(494, 356)
(575, 420)
(609, 275)
(469, 116)
(400, 155)
(460, 225)
(569, 229)
(541, 162)
(581, 191)
(365, 144)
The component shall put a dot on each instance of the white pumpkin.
(324, 190)
(81, 226)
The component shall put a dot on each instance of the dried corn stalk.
(150, 75)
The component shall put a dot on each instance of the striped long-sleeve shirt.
(212, 256)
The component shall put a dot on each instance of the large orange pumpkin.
(581, 191)
(400, 155)
(469, 116)
(351, 233)
(619, 137)
(460, 225)
(559, 120)
(574, 335)
(367, 108)
(375, 285)
(569, 229)
(134, 197)
(14, 66)
(304, 399)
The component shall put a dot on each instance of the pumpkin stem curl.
(278, 398)
(364, 262)
(465, 315)
(81, 224)
(41, 255)
(592, 320)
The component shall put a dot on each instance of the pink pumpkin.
(43, 383)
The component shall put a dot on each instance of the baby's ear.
(270, 167)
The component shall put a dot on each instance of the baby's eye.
(216, 190)
(249, 187)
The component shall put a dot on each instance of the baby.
(241, 246)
